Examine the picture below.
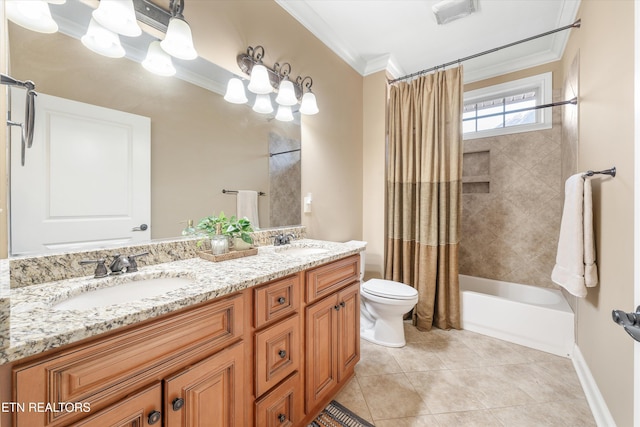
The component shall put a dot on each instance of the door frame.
(636, 221)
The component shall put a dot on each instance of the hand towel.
(575, 268)
(247, 206)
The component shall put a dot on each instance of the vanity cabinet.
(102, 372)
(332, 329)
(278, 353)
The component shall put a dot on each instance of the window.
(504, 108)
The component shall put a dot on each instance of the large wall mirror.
(199, 144)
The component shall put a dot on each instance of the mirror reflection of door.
(86, 179)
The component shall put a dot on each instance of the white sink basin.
(301, 250)
(134, 290)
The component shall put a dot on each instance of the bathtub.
(535, 317)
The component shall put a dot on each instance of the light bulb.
(284, 113)
(308, 105)
(259, 82)
(178, 41)
(158, 61)
(102, 41)
(118, 16)
(263, 104)
(235, 92)
(286, 93)
(33, 15)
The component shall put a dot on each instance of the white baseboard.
(598, 406)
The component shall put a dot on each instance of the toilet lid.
(389, 289)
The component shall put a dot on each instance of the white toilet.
(382, 305)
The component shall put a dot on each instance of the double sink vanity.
(265, 340)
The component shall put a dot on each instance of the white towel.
(575, 268)
(247, 206)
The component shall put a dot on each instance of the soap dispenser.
(189, 230)
(219, 242)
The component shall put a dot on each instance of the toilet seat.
(389, 289)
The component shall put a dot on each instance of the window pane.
(469, 126)
(490, 123)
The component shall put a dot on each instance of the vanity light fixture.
(284, 113)
(33, 15)
(235, 92)
(263, 80)
(178, 41)
(263, 104)
(118, 16)
(286, 91)
(308, 105)
(158, 61)
(102, 41)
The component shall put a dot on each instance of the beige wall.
(374, 171)
(332, 139)
(606, 138)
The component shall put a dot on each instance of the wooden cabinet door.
(208, 394)
(348, 330)
(321, 362)
(138, 410)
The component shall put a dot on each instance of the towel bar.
(260, 193)
(611, 172)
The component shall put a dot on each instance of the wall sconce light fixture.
(118, 17)
(264, 80)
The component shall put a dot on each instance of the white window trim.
(543, 82)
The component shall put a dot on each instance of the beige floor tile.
(562, 413)
(375, 360)
(416, 356)
(445, 391)
(493, 391)
(421, 421)
(391, 396)
(481, 418)
(352, 398)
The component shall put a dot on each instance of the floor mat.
(336, 415)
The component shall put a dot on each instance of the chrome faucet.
(119, 264)
(282, 239)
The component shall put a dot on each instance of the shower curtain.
(424, 186)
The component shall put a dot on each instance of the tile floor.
(460, 378)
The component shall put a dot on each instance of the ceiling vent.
(450, 10)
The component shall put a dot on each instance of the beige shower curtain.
(424, 186)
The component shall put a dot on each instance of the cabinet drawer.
(276, 300)
(282, 407)
(98, 373)
(330, 277)
(277, 353)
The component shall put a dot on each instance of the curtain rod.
(573, 101)
(466, 58)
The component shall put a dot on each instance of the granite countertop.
(35, 326)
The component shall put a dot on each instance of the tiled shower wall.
(511, 202)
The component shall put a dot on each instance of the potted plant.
(236, 229)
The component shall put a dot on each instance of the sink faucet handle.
(101, 268)
(133, 264)
(278, 240)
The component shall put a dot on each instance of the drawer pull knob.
(154, 417)
(336, 307)
(282, 354)
(177, 404)
(281, 300)
(342, 304)
(282, 418)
